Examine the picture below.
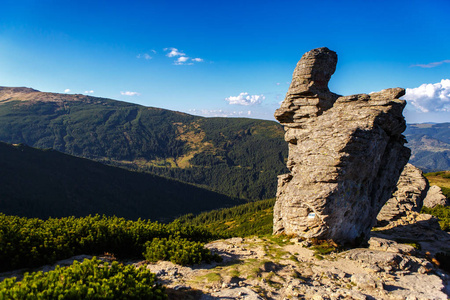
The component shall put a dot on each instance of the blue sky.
(226, 58)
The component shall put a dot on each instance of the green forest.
(47, 183)
(237, 157)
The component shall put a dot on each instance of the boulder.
(411, 190)
(435, 197)
(346, 154)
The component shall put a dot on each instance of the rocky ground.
(282, 268)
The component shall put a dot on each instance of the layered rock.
(411, 190)
(435, 197)
(346, 154)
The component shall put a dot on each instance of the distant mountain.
(238, 157)
(430, 146)
(47, 183)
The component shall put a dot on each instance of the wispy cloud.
(433, 64)
(173, 52)
(220, 113)
(144, 56)
(89, 92)
(128, 93)
(182, 58)
(67, 91)
(245, 99)
(430, 97)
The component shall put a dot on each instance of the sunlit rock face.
(346, 154)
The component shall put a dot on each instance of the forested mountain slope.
(47, 183)
(234, 156)
(239, 157)
(430, 145)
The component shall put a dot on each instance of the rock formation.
(346, 154)
(412, 188)
(435, 197)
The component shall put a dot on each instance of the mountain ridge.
(240, 157)
(246, 154)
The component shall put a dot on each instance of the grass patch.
(442, 213)
(324, 247)
(441, 179)
(234, 273)
(210, 277)
(412, 243)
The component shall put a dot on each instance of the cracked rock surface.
(283, 268)
(411, 190)
(346, 154)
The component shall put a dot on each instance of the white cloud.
(219, 113)
(128, 93)
(430, 97)
(245, 99)
(144, 56)
(89, 92)
(173, 52)
(67, 91)
(433, 64)
(182, 60)
(154, 51)
(182, 57)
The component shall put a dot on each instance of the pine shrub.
(91, 279)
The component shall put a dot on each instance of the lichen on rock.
(346, 154)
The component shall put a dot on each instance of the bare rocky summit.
(346, 154)
(412, 188)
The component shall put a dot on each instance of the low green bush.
(441, 212)
(91, 279)
(254, 218)
(26, 243)
(179, 251)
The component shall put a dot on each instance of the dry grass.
(438, 178)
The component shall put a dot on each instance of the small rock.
(181, 287)
(305, 244)
(365, 282)
(435, 197)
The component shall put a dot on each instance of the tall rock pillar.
(346, 154)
